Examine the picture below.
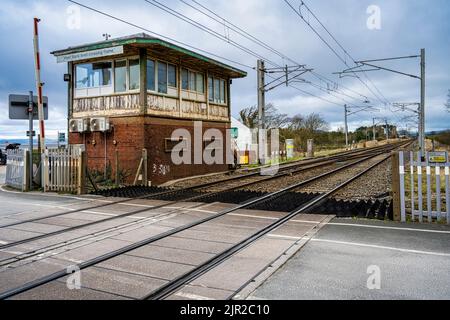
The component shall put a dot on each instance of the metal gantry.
(288, 74)
(373, 67)
(348, 112)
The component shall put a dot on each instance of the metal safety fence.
(424, 186)
(16, 167)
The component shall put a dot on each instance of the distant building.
(244, 135)
(131, 93)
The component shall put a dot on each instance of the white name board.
(90, 54)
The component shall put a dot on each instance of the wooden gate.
(424, 189)
(64, 169)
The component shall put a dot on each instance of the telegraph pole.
(346, 126)
(387, 129)
(261, 112)
(422, 102)
(373, 129)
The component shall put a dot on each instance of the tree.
(249, 116)
(448, 101)
(314, 122)
(273, 119)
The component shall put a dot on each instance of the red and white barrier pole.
(37, 61)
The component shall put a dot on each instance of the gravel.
(376, 184)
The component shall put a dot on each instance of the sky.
(402, 28)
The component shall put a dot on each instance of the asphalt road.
(413, 263)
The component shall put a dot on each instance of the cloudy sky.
(405, 27)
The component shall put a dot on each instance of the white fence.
(16, 165)
(425, 189)
(63, 169)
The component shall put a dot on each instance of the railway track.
(213, 196)
(307, 204)
(197, 193)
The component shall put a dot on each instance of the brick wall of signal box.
(131, 135)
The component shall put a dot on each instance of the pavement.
(366, 260)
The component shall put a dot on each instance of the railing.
(16, 165)
(424, 188)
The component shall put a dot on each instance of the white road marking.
(111, 215)
(191, 209)
(305, 221)
(136, 205)
(442, 254)
(191, 296)
(386, 227)
(251, 216)
(271, 218)
(279, 236)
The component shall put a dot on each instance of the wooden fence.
(64, 169)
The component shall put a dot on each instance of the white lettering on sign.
(90, 54)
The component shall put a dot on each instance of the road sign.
(33, 133)
(61, 137)
(18, 107)
(438, 157)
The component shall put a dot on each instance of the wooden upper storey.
(144, 75)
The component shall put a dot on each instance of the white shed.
(244, 135)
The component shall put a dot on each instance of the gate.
(16, 169)
(64, 169)
(424, 188)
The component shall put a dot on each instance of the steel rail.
(180, 191)
(42, 250)
(168, 192)
(172, 286)
(56, 275)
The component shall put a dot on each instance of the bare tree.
(273, 119)
(314, 122)
(297, 122)
(249, 117)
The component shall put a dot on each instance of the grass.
(320, 153)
